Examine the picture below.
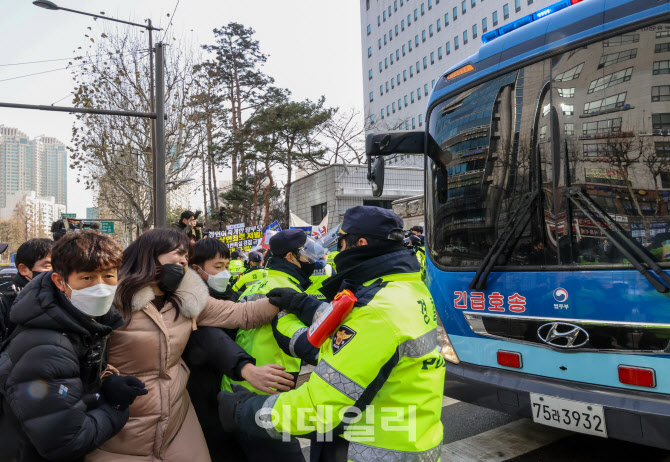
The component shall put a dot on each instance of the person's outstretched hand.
(287, 299)
(271, 378)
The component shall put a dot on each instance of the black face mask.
(170, 278)
(35, 274)
(307, 269)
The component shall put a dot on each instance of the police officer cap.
(255, 257)
(287, 240)
(367, 220)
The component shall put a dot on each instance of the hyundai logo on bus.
(560, 295)
(563, 335)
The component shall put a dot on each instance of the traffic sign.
(68, 215)
(107, 227)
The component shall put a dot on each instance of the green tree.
(261, 138)
(237, 62)
(299, 146)
(284, 133)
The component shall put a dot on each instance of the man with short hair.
(383, 357)
(32, 258)
(188, 225)
(418, 231)
(56, 406)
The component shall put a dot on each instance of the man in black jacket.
(188, 225)
(32, 258)
(54, 404)
(211, 352)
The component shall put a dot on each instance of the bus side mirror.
(384, 144)
(376, 175)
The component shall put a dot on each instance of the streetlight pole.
(159, 167)
(152, 102)
(156, 103)
(46, 4)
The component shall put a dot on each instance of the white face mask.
(95, 300)
(219, 281)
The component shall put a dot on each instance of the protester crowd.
(176, 349)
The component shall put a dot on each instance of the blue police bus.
(548, 218)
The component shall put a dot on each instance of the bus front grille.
(588, 335)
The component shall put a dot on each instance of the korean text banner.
(239, 237)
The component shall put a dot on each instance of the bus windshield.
(596, 118)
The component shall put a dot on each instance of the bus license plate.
(569, 415)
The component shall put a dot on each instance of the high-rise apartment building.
(38, 165)
(52, 164)
(36, 212)
(409, 44)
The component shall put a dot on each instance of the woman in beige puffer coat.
(161, 309)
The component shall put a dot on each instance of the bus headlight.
(446, 348)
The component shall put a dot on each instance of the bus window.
(570, 121)
(491, 133)
(614, 156)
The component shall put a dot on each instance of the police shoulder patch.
(343, 336)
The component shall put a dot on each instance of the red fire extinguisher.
(331, 318)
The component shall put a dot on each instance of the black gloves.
(288, 300)
(122, 391)
(118, 417)
(228, 403)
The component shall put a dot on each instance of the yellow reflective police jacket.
(421, 256)
(249, 277)
(318, 278)
(384, 360)
(260, 342)
(330, 259)
(236, 267)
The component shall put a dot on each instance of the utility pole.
(152, 103)
(160, 187)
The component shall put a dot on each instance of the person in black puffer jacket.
(212, 352)
(32, 258)
(54, 403)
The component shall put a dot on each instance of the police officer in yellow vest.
(252, 275)
(236, 266)
(290, 266)
(322, 271)
(416, 246)
(330, 259)
(383, 359)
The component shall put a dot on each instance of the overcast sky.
(313, 46)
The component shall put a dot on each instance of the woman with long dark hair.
(162, 302)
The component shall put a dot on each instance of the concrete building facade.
(179, 198)
(339, 187)
(411, 210)
(408, 44)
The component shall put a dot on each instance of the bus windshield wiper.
(628, 247)
(510, 233)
